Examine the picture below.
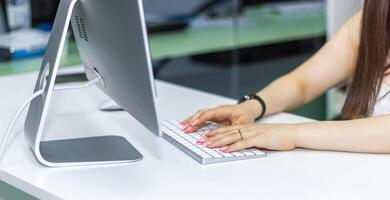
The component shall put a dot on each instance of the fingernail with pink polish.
(195, 122)
(200, 142)
(207, 132)
(186, 126)
(208, 143)
(223, 149)
(187, 130)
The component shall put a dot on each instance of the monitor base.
(110, 106)
(88, 151)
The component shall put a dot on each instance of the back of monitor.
(112, 41)
(100, 62)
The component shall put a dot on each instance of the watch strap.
(258, 99)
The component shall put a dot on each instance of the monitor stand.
(110, 106)
(70, 152)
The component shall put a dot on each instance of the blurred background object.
(19, 40)
(18, 14)
(23, 43)
(43, 11)
(227, 47)
(3, 21)
(338, 12)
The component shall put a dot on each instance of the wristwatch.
(258, 99)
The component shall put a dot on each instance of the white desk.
(166, 172)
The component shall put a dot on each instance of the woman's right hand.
(229, 115)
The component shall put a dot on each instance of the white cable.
(13, 122)
(77, 87)
(28, 101)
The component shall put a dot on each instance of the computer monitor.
(112, 41)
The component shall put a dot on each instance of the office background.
(227, 47)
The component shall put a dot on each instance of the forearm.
(284, 94)
(371, 135)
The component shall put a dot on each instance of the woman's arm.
(370, 135)
(330, 66)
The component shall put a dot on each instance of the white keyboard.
(173, 133)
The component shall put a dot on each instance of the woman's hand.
(281, 137)
(229, 115)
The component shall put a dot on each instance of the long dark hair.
(372, 62)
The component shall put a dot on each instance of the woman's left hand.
(280, 137)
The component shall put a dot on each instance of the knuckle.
(204, 110)
(204, 114)
(235, 146)
(224, 139)
(197, 113)
(215, 137)
(200, 111)
(246, 143)
(212, 138)
(214, 132)
(218, 142)
(220, 130)
(221, 136)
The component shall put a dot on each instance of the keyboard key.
(204, 154)
(190, 139)
(256, 151)
(176, 123)
(197, 136)
(227, 154)
(237, 153)
(247, 153)
(216, 154)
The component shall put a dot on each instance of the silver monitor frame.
(92, 150)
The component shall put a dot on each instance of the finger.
(191, 129)
(223, 130)
(225, 140)
(207, 139)
(215, 115)
(188, 119)
(211, 136)
(199, 119)
(195, 118)
(221, 135)
(187, 123)
(240, 145)
(224, 123)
